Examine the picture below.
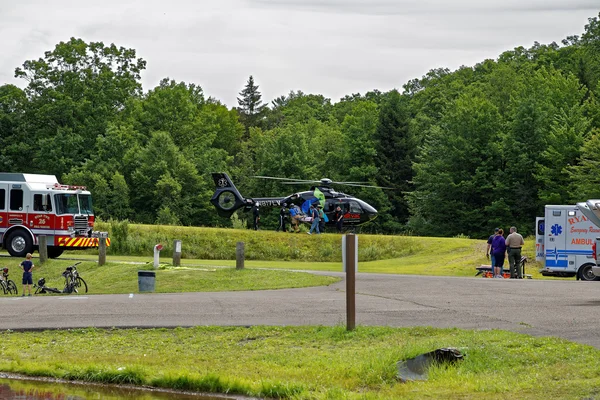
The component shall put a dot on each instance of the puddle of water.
(15, 389)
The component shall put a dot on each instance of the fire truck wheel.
(54, 252)
(585, 273)
(19, 243)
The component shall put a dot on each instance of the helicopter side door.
(352, 212)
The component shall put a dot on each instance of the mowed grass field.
(268, 255)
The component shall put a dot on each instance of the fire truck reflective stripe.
(80, 242)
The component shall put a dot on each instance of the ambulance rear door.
(556, 238)
(539, 239)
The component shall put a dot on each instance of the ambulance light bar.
(58, 186)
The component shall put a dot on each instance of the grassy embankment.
(309, 362)
(377, 253)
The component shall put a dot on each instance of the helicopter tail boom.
(227, 199)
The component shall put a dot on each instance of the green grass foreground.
(309, 362)
(113, 278)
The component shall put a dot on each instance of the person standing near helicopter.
(322, 218)
(314, 213)
(282, 218)
(339, 219)
(256, 216)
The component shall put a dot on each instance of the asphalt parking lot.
(568, 309)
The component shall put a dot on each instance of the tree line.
(465, 150)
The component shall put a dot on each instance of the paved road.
(567, 309)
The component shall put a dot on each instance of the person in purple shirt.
(499, 251)
(489, 253)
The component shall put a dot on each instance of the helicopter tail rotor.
(226, 199)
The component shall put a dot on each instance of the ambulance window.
(41, 202)
(2, 199)
(540, 227)
(556, 213)
(16, 199)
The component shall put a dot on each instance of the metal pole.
(350, 281)
(239, 255)
(101, 251)
(43, 250)
(177, 253)
(157, 250)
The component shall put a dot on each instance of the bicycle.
(74, 282)
(8, 286)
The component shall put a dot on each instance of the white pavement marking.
(72, 298)
(131, 295)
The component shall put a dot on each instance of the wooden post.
(101, 251)
(177, 253)
(239, 255)
(351, 264)
(43, 248)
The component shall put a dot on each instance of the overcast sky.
(331, 47)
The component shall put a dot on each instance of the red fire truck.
(32, 205)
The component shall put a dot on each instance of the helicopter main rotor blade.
(293, 181)
(299, 183)
(283, 179)
(367, 186)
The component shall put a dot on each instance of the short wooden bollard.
(350, 261)
(239, 255)
(43, 250)
(101, 251)
(177, 253)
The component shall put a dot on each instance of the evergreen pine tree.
(395, 153)
(250, 108)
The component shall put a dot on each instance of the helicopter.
(227, 199)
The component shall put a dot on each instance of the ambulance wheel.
(54, 251)
(585, 273)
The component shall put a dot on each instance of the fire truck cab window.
(41, 202)
(16, 200)
(85, 202)
(355, 207)
(66, 204)
(2, 199)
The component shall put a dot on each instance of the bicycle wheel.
(12, 287)
(80, 285)
(3, 284)
(69, 287)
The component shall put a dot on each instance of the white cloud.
(332, 47)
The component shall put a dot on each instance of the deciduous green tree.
(74, 92)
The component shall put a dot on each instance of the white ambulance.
(564, 239)
(591, 209)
